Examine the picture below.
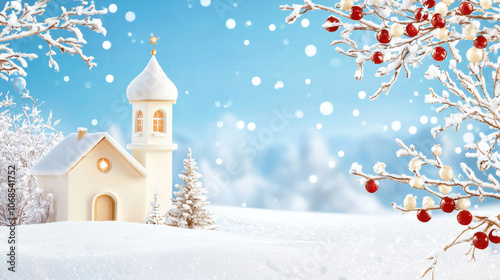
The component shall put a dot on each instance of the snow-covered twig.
(408, 31)
(20, 20)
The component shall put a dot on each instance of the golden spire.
(153, 41)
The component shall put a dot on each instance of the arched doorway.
(104, 208)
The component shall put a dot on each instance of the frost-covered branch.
(407, 31)
(441, 188)
(19, 20)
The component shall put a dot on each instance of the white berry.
(474, 55)
(447, 2)
(410, 202)
(415, 165)
(469, 32)
(379, 168)
(428, 202)
(485, 4)
(346, 5)
(463, 203)
(444, 189)
(446, 173)
(441, 8)
(397, 30)
(436, 149)
(416, 182)
(442, 33)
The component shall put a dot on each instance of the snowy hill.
(250, 244)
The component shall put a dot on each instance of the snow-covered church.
(93, 178)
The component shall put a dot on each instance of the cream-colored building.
(93, 178)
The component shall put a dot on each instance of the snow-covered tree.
(189, 208)
(407, 31)
(25, 138)
(20, 20)
(155, 216)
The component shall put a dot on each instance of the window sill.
(138, 134)
(159, 134)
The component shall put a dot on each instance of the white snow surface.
(249, 244)
(152, 84)
(63, 157)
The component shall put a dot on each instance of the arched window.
(139, 122)
(159, 121)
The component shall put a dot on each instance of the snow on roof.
(63, 157)
(152, 84)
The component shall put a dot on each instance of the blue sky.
(213, 67)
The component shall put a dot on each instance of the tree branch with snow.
(19, 20)
(407, 31)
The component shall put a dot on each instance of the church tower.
(152, 95)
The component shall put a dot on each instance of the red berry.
(439, 54)
(447, 204)
(383, 36)
(377, 57)
(424, 216)
(429, 3)
(466, 8)
(438, 21)
(480, 42)
(480, 240)
(494, 236)
(411, 30)
(371, 186)
(464, 217)
(356, 13)
(332, 19)
(421, 14)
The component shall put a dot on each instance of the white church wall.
(123, 181)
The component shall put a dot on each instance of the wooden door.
(104, 208)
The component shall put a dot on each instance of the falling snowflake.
(310, 50)
(113, 8)
(240, 125)
(106, 45)
(130, 16)
(326, 108)
(205, 3)
(278, 85)
(110, 78)
(305, 23)
(251, 126)
(396, 125)
(255, 81)
(230, 23)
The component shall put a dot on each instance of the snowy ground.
(250, 244)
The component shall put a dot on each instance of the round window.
(103, 165)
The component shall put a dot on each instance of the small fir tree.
(189, 208)
(155, 216)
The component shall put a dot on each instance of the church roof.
(152, 84)
(70, 151)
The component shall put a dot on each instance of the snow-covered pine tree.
(406, 32)
(189, 208)
(155, 216)
(24, 139)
